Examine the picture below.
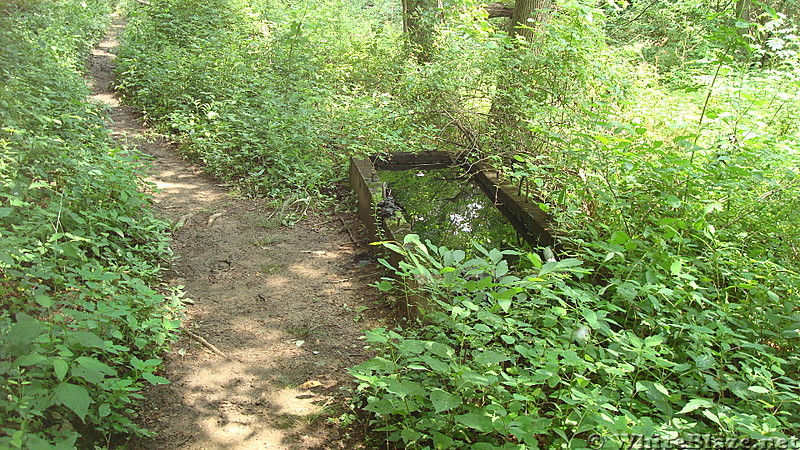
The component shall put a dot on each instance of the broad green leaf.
(673, 201)
(441, 441)
(442, 401)
(30, 359)
(91, 370)
(60, 367)
(94, 364)
(43, 300)
(6, 258)
(505, 304)
(435, 364)
(653, 341)
(590, 316)
(34, 442)
(404, 388)
(508, 339)
(695, 403)
(559, 266)
(490, 357)
(480, 422)
(381, 406)
(154, 379)
(73, 397)
(24, 331)
(676, 267)
(439, 349)
(87, 339)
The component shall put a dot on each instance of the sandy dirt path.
(286, 306)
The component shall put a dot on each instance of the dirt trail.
(286, 306)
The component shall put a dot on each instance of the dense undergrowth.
(253, 94)
(669, 161)
(81, 326)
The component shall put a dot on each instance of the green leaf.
(404, 388)
(441, 441)
(695, 403)
(660, 388)
(60, 367)
(619, 237)
(24, 331)
(73, 397)
(673, 201)
(559, 266)
(590, 316)
(676, 267)
(653, 341)
(43, 300)
(30, 359)
(758, 389)
(489, 358)
(480, 422)
(504, 303)
(712, 416)
(443, 401)
(87, 339)
(435, 364)
(384, 286)
(508, 339)
(154, 379)
(91, 370)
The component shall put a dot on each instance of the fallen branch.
(206, 344)
(143, 2)
(325, 222)
(349, 233)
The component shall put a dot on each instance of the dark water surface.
(447, 208)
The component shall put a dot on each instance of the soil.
(282, 308)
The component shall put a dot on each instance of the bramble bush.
(82, 315)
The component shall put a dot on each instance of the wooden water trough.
(525, 216)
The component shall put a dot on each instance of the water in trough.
(445, 206)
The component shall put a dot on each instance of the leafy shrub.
(80, 324)
(266, 97)
(550, 357)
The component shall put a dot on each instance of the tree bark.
(529, 17)
(499, 10)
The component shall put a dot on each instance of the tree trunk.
(419, 20)
(528, 21)
(499, 10)
(529, 17)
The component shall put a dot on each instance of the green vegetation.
(662, 136)
(81, 327)
(668, 159)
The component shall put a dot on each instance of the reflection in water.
(447, 208)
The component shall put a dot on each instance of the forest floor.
(283, 306)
